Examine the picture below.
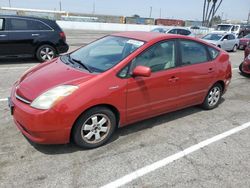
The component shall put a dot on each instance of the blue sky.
(181, 9)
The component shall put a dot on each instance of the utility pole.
(150, 12)
(60, 5)
(160, 12)
(9, 3)
(248, 20)
(93, 12)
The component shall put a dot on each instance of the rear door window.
(193, 52)
(231, 37)
(1, 24)
(18, 24)
(31, 25)
(37, 26)
(183, 32)
(173, 31)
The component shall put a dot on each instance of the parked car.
(227, 42)
(244, 42)
(244, 30)
(31, 37)
(245, 65)
(115, 81)
(228, 28)
(173, 30)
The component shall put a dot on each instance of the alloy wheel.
(47, 54)
(95, 128)
(214, 96)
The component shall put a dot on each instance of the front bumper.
(39, 126)
(246, 66)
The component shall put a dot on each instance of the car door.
(225, 43)
(4, 36)
(197, 72)
(148, 96)
(25, 34)
(232, 41)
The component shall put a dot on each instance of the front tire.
(240, 68)
(94, 127)
(45, 53)
(213, 97)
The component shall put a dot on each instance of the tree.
(136, 16)
(209, 12)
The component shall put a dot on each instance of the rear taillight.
(62, 35)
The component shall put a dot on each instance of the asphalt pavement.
(222, 163)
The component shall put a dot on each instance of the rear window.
(22, 24)
(1, 24)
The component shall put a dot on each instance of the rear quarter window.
(213, 53)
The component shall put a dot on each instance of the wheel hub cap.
(95, 128)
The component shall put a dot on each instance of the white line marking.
(159, 164)
(235, 68)
(11, 68)
(1, 100)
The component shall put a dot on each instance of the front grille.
(22, 99)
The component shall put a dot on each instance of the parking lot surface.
(224, 163)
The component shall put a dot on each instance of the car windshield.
(247, 36)
(104, 53)
(223, 27)
(215, 37)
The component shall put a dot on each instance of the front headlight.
(49, 98)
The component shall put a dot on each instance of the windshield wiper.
(81, 63)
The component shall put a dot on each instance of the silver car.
(174, 30)
(228, 42)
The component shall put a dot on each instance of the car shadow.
(133, 128)
(244, 74)
(11, 61)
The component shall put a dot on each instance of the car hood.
(48, 75)
(214, 42)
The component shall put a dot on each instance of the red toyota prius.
(115, 81)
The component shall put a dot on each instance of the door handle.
(173, 79)
(35, 35)
(210, 70)
(3, 35)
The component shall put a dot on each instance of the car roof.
(149, 36)
(227, 24)
(24, 17)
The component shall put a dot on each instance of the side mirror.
(224, 40)
(142, 71)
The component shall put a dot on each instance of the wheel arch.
(45, 43)
(222, 84)
(108, 106)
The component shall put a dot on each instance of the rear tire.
(213, 97)
(235, 48)
(94, 127)
(45, 53)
